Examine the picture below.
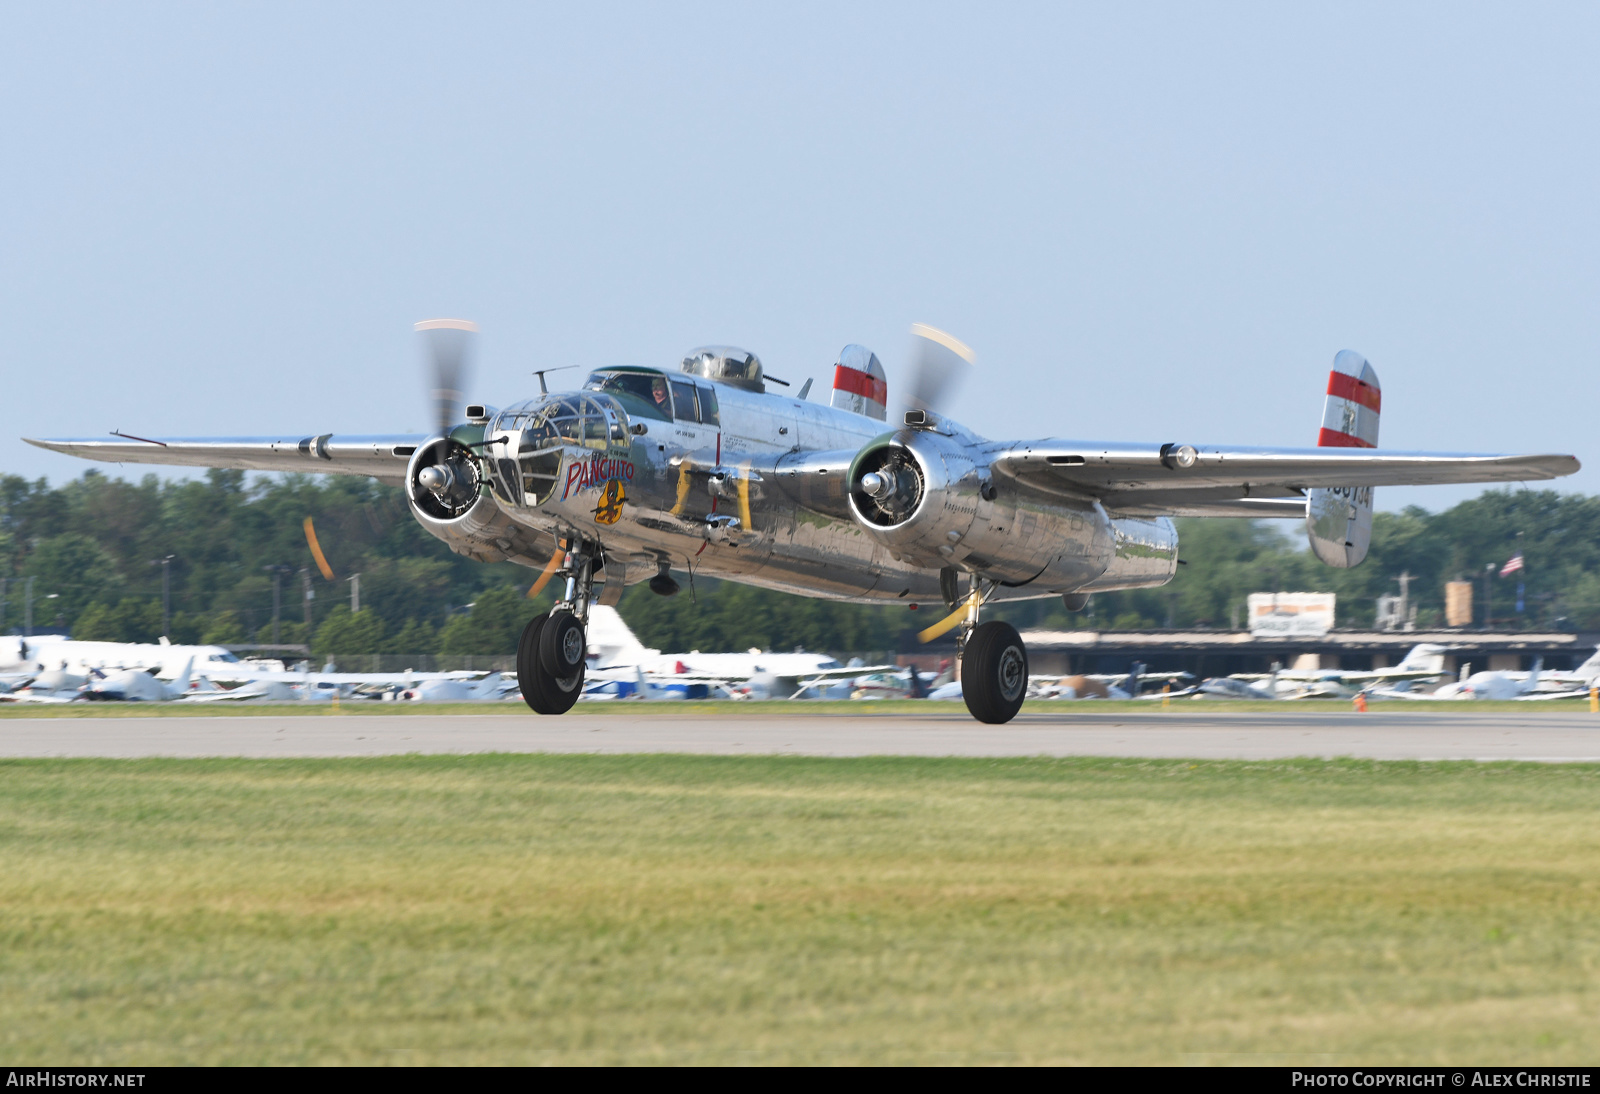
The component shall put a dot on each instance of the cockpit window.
(640, 393)
(683, 402)
(708, 407)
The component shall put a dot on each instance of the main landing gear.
(551, 654)
(994, 666)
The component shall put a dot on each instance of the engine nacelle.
(451, 499)
(930, 500)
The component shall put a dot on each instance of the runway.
(1455, 734)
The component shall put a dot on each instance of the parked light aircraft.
(646, 471)
(1520, 686)
(1583, 677)
(1227, 687)
(44, 652)
(1424, 661)
(137, 686)
(615, 655)
(53, 686)
(118, 685)
(1481, 685)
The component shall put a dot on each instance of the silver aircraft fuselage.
(758, 493)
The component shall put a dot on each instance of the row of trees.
(94, 549)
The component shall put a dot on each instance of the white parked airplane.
(46, 652)
(1424, 661)
(137, 686)
(1526, 687)
(617, 656)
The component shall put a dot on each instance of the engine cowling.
(917, 493)
(450, 497)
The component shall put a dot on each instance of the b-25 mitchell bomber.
(703, 469)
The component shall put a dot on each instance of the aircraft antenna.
(539, 372)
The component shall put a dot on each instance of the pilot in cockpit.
(641, 385)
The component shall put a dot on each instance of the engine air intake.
(889, 486)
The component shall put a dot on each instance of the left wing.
(1186, 480)
(383, 458)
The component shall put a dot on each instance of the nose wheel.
(551, 656)
(543, 690)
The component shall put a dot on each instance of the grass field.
(561, 909)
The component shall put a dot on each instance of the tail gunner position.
(644, 471)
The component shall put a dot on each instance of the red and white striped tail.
(1350, 416)
(859, 383)
(1339, 519)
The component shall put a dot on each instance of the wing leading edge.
(381, 457)
(1180, 480)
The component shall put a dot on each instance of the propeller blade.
(316, 550)
(939, 362)
(448, 345)
(548, 572)
(951, 621)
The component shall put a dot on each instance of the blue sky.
(1152, 222)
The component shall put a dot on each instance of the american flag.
(1513, 566)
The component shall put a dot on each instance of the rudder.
(1339, 518)
(859, 384)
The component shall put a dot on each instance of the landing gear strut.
(994, 665)
(551, 655)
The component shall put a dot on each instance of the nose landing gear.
(551, 655)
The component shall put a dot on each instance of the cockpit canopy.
(728, 365)
(644, 392)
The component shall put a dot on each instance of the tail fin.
(613, 640)
(1339, 519)
(181, 684)
(859, 383)
(1424, 657)
(1590, 668)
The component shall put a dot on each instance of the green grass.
(588, 909)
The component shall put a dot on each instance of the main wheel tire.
(528, 670)
(562, 647)
(994, 672)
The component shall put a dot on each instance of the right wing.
(383, 458)
(1179, 480)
